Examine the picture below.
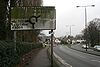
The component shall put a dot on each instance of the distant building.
(76, 41)
(57, 41)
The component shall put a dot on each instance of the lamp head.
(93, 5)
(77, 6)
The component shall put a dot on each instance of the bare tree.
(92, 33)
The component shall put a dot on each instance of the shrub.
(9, 57)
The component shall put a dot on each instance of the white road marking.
(96, 61)
(62, 61)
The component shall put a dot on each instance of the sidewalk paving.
(40, 60)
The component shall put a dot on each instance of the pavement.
(40, 60)
(78, 47)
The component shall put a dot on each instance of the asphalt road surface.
(75, 58)
(79, 47)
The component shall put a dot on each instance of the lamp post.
(86, 18)
(70, 28)
(70, 32)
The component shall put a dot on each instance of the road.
(79, 47)
(75, 58)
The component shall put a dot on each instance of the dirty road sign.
(29, 18)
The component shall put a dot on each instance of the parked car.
(84, 46)
(97, 47)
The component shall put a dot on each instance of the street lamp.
(70, 33)
(70, 28)
(86, 17)
(87, 6)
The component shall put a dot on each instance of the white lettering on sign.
(20, 24)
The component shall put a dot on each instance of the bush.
(9, 57)
(63, 42)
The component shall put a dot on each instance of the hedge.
(9, 57)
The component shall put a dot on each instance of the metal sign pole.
(15, 40)
(52, 48)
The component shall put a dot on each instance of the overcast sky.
(67, 14)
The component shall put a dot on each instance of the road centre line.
(61, 60)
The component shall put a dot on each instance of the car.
(97, 47)
(84, 46)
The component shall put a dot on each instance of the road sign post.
(15, 40)
(52, 48)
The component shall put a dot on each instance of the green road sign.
(23, 18)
